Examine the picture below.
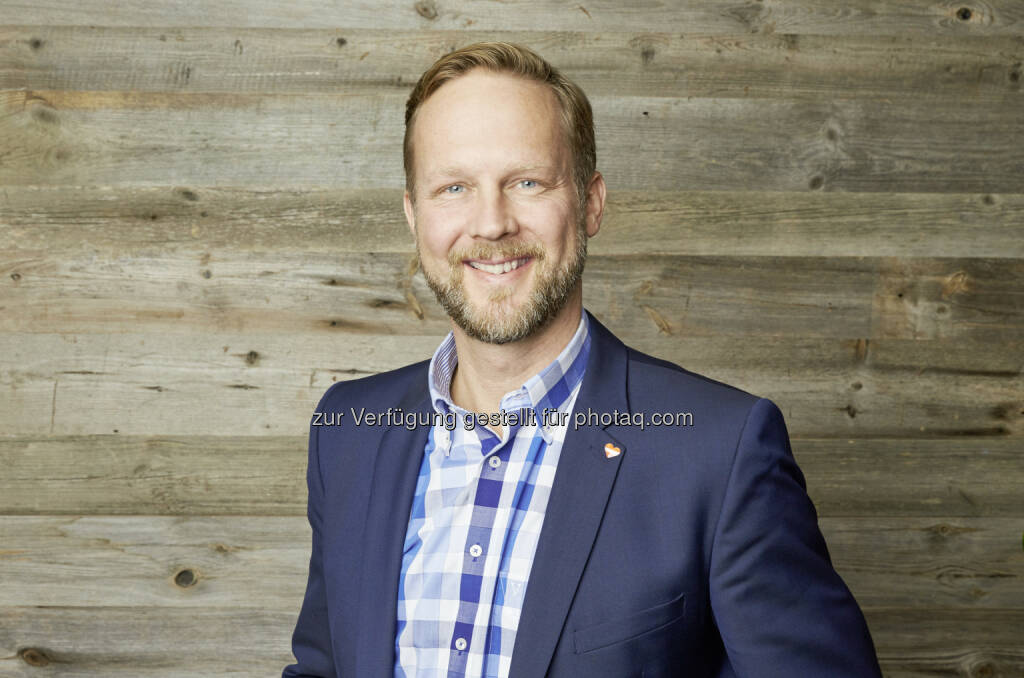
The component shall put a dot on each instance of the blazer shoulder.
(383, 387)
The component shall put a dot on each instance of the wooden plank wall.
(200, 230)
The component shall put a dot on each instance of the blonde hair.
(504, 57)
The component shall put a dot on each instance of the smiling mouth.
(501, 267)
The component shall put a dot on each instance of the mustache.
(509, 250)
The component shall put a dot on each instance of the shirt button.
(460, 643)
(494, 461)
(475, 550)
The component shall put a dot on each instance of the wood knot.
(964, 14)
(252, 357)
(34, 657)
(35, 43)
(189, 195)
(1005, 411)
(341, 42)
(15, 276)
(45, 115)
(185, 578)
(955, 283)
(206, 274)
(816, 182)
(426, 9)
(861, 349)
(983, 671)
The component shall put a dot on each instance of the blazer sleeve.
(780, 606)
(311, 641)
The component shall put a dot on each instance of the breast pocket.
(627, 628)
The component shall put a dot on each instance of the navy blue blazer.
(694, 552)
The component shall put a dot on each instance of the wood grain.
(993, 17)
(151, 642)
(866, 478)
(147, 643)
(123, 138)
(237, 383)
(70, 220)
(786, 65)
(243, 561)
(930, 642)
(969, 300)
(201, 230)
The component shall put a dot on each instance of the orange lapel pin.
(611, 451)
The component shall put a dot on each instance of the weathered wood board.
(201, 230)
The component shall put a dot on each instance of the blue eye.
(531, 183)
(450, 189)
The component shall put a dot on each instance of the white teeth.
(498, 268)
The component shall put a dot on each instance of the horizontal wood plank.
(347, 140)
(148, 643)
(215, 382)
(125, 220)
(200, 231)
(265, 475)
(969, 300)
(936, 643)
(788, 65)
(995, 17)
(243, 561)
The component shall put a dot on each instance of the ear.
(410, 216)
(595, 204)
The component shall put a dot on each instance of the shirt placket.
(475, 585)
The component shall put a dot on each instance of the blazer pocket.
(636, 624)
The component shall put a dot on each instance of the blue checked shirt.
(475, 520)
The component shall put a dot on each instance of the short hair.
(504, 57)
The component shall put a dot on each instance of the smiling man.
(537, 518)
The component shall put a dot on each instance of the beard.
(499, 322)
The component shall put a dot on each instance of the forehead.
(484, 115)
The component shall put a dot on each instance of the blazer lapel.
(394, 483)
(579, 494)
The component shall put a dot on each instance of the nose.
(494, 217)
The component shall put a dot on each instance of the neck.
(486, 372)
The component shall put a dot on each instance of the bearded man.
(538, 519)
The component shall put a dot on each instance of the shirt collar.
(548, 389)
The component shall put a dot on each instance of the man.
(562, 536)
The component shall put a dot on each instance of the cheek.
(554, 225)
(437, 235)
